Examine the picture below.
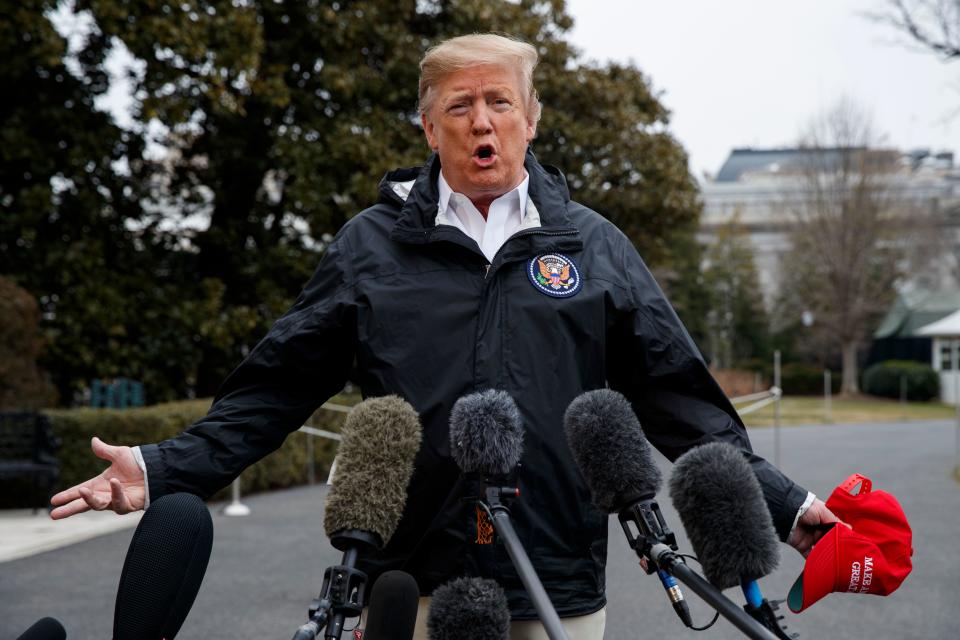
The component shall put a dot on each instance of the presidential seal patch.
(554, 274)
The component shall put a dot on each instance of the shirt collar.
(519, 192)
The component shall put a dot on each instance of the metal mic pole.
(666, 559)
(500, 516)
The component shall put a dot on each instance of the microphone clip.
(766, 614)
(645, 527)
(342, 592)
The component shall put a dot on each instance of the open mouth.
(484, 152)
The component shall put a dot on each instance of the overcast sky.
(752, 73)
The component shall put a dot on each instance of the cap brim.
(819, 573)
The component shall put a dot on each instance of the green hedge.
(883, 379)
(283, 468)
(798, 379)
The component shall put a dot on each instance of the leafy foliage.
(738, 323)
(278, 119)
(919, 380)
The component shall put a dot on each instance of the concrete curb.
(24, 534)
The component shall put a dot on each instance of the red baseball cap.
(869, 552)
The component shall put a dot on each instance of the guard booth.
(946, 354)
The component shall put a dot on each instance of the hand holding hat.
(869, 552)
(811, 526)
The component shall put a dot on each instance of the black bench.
(27, 447)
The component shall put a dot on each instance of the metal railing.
(236, 506)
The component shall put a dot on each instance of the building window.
(946, 357)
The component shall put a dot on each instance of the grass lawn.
(810, 410)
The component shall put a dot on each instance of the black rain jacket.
(423, 315)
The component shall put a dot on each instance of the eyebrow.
(468, 93)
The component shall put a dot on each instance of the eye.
(458, 108)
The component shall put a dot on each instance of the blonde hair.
(474, 50)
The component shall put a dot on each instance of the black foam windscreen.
(163, 569)
(723, 511)
(44, 629)
(486, 433)
(610, 449)
(381, 438)
(392, 614)
(469, 609)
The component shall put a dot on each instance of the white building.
(946, 354)
(761, 185)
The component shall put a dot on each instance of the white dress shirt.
(508, 214)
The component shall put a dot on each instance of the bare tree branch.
(934, 24)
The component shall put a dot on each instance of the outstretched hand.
(119, 488)
(810, 527)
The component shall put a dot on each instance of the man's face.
(478, 125)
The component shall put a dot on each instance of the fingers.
(73, 508)
(94, 499)
(65, 496)
(118, 499)
(103, 450)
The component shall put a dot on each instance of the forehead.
(481, 77)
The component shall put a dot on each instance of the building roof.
(916, 309)
(746, 160)
(949, 326)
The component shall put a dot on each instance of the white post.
(827, 397)
(776, 409)
(236, 508)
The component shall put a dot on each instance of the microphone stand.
(657, 545)
(342, 593)
(493, 502)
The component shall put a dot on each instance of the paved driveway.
(266, 567)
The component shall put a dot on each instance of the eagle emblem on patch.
(554, 274)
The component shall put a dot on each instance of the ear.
(428, 131)
(531, 130)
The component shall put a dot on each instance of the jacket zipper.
(522, 234)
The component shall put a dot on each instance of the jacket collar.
(415, 190)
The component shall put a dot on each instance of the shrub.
(285, 467)
(798, 379)
(883, 379)
(22, 384)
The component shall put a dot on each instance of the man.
(474, 271)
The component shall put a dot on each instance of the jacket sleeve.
(303, 360)
(654, 362)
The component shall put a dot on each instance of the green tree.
(279, 118)
(64, 205)
(738, 323)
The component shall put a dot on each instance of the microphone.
(393, 607)
(381, 438)
(163, 569)
(486, 433)
(614, 458)
(486, 442)
(468, 609)
(44, 629)
(722, 508)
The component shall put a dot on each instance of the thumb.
(103, 450)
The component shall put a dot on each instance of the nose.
(481, 124)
